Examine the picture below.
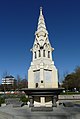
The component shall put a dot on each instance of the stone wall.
(69, 97)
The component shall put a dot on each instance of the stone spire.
(40, 10)
(41, 47)
(41, 23)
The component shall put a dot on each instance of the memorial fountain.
(43, 87)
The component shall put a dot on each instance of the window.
(41, 47)
(48, 75)
(48, 54)
(36, 76)
(39, 53)
(43, 53)
(35, 55)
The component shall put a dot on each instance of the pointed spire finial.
(40, 10)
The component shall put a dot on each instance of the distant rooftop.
(9, 76)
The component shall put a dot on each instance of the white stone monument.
(42, 72)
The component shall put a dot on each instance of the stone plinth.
(46, 96)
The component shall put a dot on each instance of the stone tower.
(42, 72)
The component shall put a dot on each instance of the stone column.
(42, 100)
(31, 101)
(54, 101)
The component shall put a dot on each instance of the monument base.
(46, 97)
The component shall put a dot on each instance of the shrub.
(2, 100)
(24, 99)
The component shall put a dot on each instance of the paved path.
(8, 112)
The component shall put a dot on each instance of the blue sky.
(18, 23)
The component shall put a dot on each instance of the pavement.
(60, 112)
